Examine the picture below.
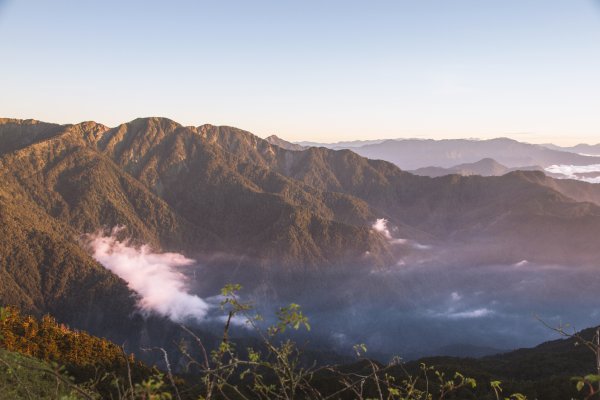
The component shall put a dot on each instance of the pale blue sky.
(311, 70)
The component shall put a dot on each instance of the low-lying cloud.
(586, 173)
(477, 313)
(154, 276)
(401, 311)
(381, 225)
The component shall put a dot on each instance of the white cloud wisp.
(153, 276)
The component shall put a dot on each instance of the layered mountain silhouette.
(585, 149)
(484, 167)
(350, 144)
(411, 154)
(211, 190)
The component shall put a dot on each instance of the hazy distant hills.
(489, 167)
(585, 149)
(342, 145)
(484, 167)
(212, 190)
(411, 154)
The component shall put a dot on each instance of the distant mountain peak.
(488, 160)
(484, 167)
(284, 144)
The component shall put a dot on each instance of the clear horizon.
(331, 72)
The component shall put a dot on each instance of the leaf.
(592, 378)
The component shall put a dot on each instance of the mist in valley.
(428, 303)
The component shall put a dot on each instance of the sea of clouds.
(585, 173)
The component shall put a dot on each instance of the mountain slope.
(16, 134)
(220, 179)
(284, 144)
(44, 270)
(540, 372)
(175, 188)
(87, 191)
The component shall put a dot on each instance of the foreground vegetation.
(46, 360)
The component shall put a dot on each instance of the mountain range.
(484, 167)
(223, 195)
(411, 154)
(585, 149)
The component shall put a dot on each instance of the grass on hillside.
(22, 377)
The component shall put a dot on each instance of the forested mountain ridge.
(211, 188)
(44, 270)
(220, 190)
(422, 208)
(73, 177)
